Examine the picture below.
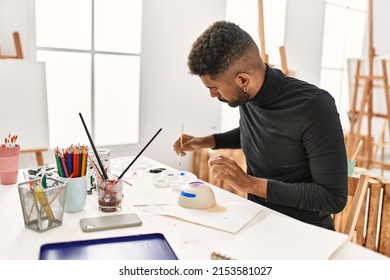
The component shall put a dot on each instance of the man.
(289, 130)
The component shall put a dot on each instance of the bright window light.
(341, 41)
(92, 53)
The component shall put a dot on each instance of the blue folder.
(152, 246)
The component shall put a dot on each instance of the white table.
(188, 240)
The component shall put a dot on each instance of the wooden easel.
(19, 55)
(18, 48)
(283, 61)
(264, 54)
(366, 105)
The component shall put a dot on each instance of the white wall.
(381, 23)
(170, 95)
(17, 15)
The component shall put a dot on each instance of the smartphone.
(110, 222)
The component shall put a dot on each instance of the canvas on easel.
(14, 75)
(24, 103)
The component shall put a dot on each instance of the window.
(341, 41)
(246, 16)
(92, 53)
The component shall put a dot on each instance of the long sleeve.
(322, 138)
(228, 140)
(291, 135)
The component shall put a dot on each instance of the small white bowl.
(197, 195)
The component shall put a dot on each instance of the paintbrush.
(128, 167)
(181, 142)
(105, 177)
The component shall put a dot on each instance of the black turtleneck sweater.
(291, 134)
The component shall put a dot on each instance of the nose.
(214, 93)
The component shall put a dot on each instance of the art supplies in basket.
(42, 200)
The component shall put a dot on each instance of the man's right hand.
(188, 143)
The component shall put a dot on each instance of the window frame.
(93, 53)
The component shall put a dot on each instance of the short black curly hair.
(219, 47)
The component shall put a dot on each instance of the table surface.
(189, 241)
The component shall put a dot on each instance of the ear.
(242, 80)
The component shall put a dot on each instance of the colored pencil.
(59, 167)
(84, 162)
(65, 169)
(75, 163)
(72, 162)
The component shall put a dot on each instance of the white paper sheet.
(281, 238)
(227, 216)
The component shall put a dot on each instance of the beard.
(240, 97)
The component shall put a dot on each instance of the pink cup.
(9, 165)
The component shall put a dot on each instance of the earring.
(245, 89)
